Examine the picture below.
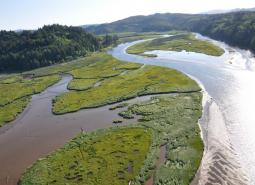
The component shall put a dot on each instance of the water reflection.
(229, 80)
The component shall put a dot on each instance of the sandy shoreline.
(219, 164)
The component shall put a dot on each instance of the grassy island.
(178, 43)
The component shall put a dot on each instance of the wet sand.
(219, 164)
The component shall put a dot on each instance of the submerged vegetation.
(16, 91)
(179, 42)
(120, 81)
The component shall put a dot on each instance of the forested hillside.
(45, 46)
(237, 28)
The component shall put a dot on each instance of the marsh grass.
(178, 43)
(16, 91)
(101, 157)
(175, 119)
(9, 112)
(82, 84)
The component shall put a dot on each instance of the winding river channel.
(228, 122)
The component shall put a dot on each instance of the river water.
(228, 122)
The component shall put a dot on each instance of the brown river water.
(37, 132)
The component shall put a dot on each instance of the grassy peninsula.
(177, 42)
(16, 91)
(118, 81)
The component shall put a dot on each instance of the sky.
(32, 14)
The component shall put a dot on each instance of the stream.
(228, 122)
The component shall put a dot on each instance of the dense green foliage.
(112, 156)
(120, 81)
(46, 46)
(236, 28)
(16, 91)
(179, 42)
(174, 119)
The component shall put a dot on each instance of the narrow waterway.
(228, 122)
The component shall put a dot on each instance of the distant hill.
(235, 28)
(229, 11)
(88, 25)
(25, 50)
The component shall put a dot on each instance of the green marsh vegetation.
(16, 91)
(178, 43)
(120, 81)
(113, 156)
(174, 121)
(82, 84)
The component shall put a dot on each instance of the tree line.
(48, 45)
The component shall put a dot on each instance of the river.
(228, 122)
